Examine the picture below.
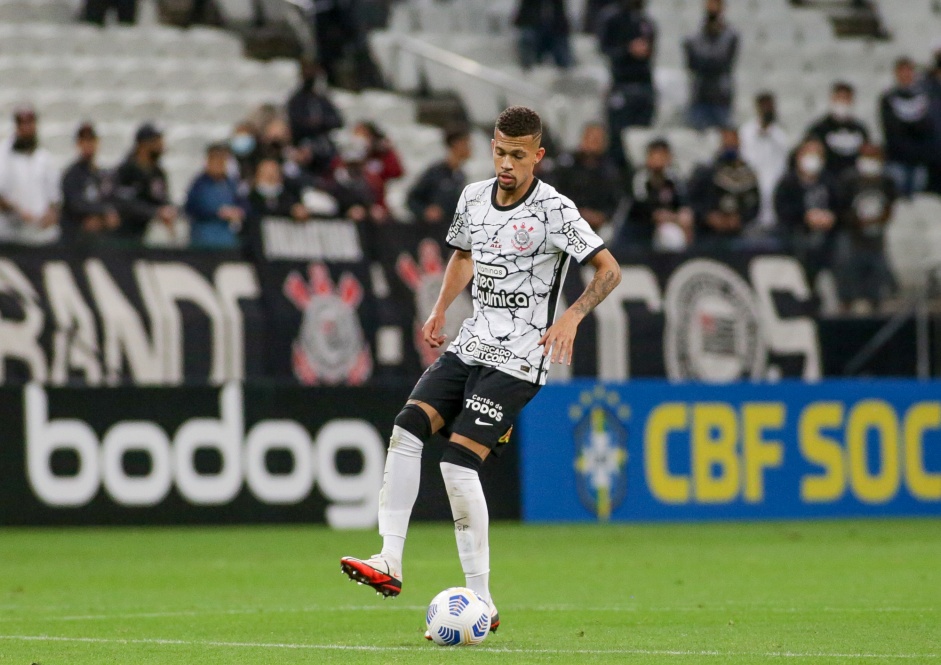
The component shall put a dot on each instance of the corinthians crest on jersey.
(520, 255)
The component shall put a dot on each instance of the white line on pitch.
(426, 649)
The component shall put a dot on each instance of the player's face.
(514, 159)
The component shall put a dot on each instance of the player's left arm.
(560, 336)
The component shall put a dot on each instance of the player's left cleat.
(494, 620)
(375, 572)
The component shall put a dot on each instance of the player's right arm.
(457, 276)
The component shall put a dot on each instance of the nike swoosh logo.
(481, 422)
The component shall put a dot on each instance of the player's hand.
(559, 340)
(431, 331)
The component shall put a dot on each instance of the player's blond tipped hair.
(520, 121)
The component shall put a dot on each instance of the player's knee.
(458, 455)
(413, 419)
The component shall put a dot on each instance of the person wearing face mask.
(724, 195)
(628, 37)
(841, 134)
(142, 193)
(312, 116)
(805, 202)
(765, 148)
(710, 58)
(908, 130)
(244, 149)
(270, 197)
(866, 201)
(29, 186)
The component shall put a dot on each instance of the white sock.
(471, 525)
(399, 491)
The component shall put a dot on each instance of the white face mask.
(869, 166)
(841, 110)
(811, 164)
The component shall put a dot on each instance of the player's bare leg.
(413, 427)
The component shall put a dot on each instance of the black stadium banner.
(327, 303)
(197, 455)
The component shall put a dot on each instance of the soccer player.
(512, 235)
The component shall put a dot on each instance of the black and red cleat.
(375, 572)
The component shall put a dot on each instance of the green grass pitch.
(822, 592)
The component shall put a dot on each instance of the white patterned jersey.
(520, 255)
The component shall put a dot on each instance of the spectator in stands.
(628, 37)
(710, 58)
(382, 160)
(660, 215)
(29, 185)
(724, 195)
(270, 196)
(95, 11)
(840, 132)
(214, 206)
(765, 148)
(88, 210)
(589, 175)
(806, 205)
(543, 30)
(434, 198)
(275, 142)
(142, 193)
(867, 197)
(312, 117)
(354, 188)
(933, 85)
(908, 130)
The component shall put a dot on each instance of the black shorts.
(475, 401)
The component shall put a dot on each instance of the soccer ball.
(458, 617)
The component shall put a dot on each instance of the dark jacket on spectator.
(593, 181)
(548, 14)
(440, 186)
(907, 125)
(864, 207)
(86, 192)
(650, 194)
(710, 59)
(794, 197)
(728, 186)
(842, 140)
(312, 117)
(618, 30)
(274, 204)
(139, 193)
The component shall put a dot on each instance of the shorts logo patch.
(485, 407)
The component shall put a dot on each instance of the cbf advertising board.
(651, 451)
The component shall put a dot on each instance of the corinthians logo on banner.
(600, 450)
(330, 348)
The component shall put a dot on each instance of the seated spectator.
(354, 186)
(765, 148)
(88, 210)
(434, 198)
(590, 175)
(214, 205)
(724, 195)
(312, 117)
(243, 144)
(382, 161)
(141, 190)
(908, 130)
(867, 197)
(543, 30)
(659, 216)
(269, 196)
(933, 85)
(840, 132)
(29, 185)
(95, 11)
(806, 205)
(710, 58)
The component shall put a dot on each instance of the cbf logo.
(600, 450)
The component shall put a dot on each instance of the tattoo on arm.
(601, 285)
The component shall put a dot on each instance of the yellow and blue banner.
(652, 450)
